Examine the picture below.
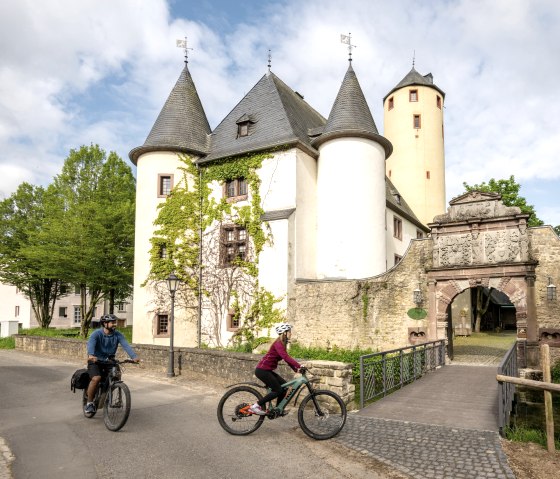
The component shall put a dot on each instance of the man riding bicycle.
(102, 346)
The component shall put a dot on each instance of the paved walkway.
(444, 425)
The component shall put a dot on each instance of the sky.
(74, 73)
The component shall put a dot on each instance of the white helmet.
(282, 328)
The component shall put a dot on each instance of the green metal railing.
(384, 372)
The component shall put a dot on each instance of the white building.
(332, 211)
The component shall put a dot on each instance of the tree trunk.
(480, 309)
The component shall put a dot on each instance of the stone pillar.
(532, 324)
(432, 311)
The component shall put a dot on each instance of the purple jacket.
(276, 353)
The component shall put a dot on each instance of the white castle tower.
(351, 188)
(413, 123)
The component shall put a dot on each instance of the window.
(94, 313)
(391, 103)
(165, 184)
(389, 173)
(438, 101)
(162, 325)
(236, 190)
(16, 312)
(77, 289)
(397, 228)
(243, 129)
(234, 245)
(397, 258)
(121, 307)
(413, 95)
(427, 175)
(416, 122)
(77, 315)
(232, 321)
(419, 234)
(63, 312)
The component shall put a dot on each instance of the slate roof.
(278, 116)
(397, 203)
(351, 116)
(181, 126)
(415, 78)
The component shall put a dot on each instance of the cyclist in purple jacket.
(269, 362)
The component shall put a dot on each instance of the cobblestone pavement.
(426, 451)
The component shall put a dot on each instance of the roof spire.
(183, 44)
(413, 58)
(347, 39)
(269, 60)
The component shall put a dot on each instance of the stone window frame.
(413, 95)
(232, 324)
(162, 190)
(233, 244)
(438, 101)
(235, 189)
(417, 121)
(63, 311)
(397, 227)
(397, 258)
(391, 103)
(158, 330)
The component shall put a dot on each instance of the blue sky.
(98, 71)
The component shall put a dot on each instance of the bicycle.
(321, 414)
(112, 395)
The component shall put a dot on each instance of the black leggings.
(273, 381)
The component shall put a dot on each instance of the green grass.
(7, 343)
(521, 434)
(68, 333)
(502, 340)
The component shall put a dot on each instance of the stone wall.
(369, 313)
(224, 366)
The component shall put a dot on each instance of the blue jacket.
(103, 345)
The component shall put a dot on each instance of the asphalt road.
(172, 432)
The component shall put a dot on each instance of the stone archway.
(481, 242)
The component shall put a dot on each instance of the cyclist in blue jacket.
(102, 345)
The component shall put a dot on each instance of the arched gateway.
(481, 242)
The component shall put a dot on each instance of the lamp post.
(172, 284)
(550, 291)
(417, 296)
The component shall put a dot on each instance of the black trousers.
(274, 381)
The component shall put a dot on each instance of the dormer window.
(244, 126)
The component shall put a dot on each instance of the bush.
(8, 343)
(555, 371)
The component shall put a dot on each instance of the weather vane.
(269, 60)
(347, 39)
(183, 44)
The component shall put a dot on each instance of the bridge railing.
(506, 391)
(384, 372)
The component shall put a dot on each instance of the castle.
(339, 200)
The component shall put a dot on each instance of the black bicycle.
(112, 395)
(321, 414)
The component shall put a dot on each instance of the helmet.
(107, 318)
(283, 328)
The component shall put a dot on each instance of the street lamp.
(172, 284)
(417, 296)
(550, 291)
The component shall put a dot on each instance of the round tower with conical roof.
(413, 122)
(351, 188)
(180, 128)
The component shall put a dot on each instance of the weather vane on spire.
(347, 39)
(413, 58)
(183, 44)
(269, 60)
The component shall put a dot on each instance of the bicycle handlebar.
(112, 362)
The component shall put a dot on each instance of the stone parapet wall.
(368, 313)
(224, 366)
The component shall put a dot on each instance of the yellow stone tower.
(413, 123)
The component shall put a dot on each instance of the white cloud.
(99, 71)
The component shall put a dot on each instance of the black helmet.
(107, 318)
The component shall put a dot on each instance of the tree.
(509, 190)
(480, 307)
(22, 215)
(557, 230)
(88, 231)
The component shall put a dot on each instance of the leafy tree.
(509, 189)
(21, 217)
(557, 230)
(88, 233)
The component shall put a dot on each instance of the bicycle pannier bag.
(80, 380)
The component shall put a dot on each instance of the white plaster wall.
(394, 245)
(351, 209)
(305, 238)
(9, 299)
(149, 166)
(278, 181)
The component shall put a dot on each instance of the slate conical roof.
(181, 126)
(351, 116)
(276, 116)
(415, 78)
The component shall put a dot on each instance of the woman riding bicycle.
(265, 369)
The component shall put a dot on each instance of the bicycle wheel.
(84, 402)
(232, 411)
(117, 407)
(322, 414)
